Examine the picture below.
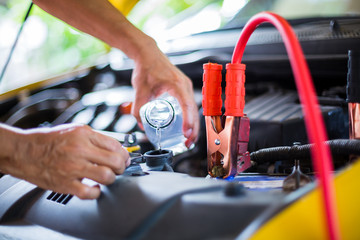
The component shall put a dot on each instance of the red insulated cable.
(321, 156)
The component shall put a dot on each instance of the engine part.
(159, 160)
(228, 136)
(296, 179)
(353, 93)
(342, 147)
(277, 119)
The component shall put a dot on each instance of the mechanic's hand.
(153, 75)
(59, 158)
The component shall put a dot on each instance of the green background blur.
(49, 47)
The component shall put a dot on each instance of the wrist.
(143, 49)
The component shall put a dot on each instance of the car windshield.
(47, 47)
(293, 9)
(212, 15)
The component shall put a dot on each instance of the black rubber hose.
(337, 147)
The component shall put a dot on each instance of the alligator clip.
(227, 135)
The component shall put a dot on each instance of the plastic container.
(162, 121)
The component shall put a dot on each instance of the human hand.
(153, 75)
(59, 158)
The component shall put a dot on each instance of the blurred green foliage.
(62, 47)
(172, 11)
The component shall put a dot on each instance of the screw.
(217, 141)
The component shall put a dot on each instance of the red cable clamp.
(227, 136)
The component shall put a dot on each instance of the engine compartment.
(173, 204)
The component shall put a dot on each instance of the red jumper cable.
(227, 137)
(321, 156)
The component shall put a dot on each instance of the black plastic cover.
(353, 77)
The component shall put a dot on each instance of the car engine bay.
(182, 201)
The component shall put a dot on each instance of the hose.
(340, 147)
(315, 127)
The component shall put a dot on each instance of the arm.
(153, 73)
(59, 158)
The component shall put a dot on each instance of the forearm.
(10, 139)
(101, 20)
(152, 67)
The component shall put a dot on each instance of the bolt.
(217, 141)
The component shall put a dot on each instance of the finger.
(113, 160)
(191, 125)
(84, 191)
(99, 174)
(105, 142)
